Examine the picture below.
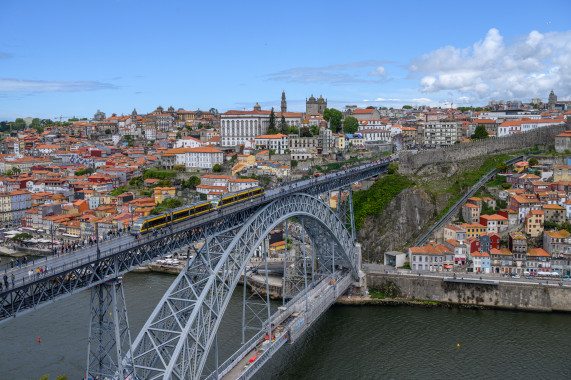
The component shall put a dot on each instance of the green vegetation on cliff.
(468, 179)
(375, 199)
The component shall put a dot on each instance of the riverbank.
(367, 300)
(398, 289)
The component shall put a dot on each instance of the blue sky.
(71, 58)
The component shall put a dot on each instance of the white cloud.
(491, 68)
(404, 101)
(352, 72)
(378, 72)
(23, 85)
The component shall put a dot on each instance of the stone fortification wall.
(410, 162)
(508, 294)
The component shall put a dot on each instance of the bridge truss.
(176, 340)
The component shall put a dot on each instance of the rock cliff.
(400, 221)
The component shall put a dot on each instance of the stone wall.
(507, 295)
(410, 162)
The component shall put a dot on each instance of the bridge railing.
(22, 295)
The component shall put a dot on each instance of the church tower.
(284, 103)
(552, 100)
(134, 116)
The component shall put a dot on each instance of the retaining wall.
(410, 162)
(507, 295)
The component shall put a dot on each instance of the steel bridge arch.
(175, 341)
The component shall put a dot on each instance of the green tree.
(392, 168)
(502, 167)
(85, 171)
(22, 236)
(350, 124)
(19, 123)
(293, 164)
(36, 123)
(16, 171)
(334, 117)
(272, 130)
(314, 130)
(118, 191)
(480, 133)
(108, 131)
(406, 107)
(179, 168)
(217, 168)
(284, 128)
(193, 181)
(533, 161)
(370, 107)
(136, 181)
(305, 132)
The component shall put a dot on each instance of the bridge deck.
(84, 268)
(289, 322)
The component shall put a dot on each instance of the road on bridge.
(62, 263)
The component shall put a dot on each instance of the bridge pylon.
(109, 336)
(345, 208)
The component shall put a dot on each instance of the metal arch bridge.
(213, 271)
(176, 339)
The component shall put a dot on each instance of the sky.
(71, 58)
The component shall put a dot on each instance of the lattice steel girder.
(82, 275)
(94, 272)
(109, 337)
(176, 339)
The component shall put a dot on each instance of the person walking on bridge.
(6, 281)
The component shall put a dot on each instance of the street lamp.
(97, 240)
(52, 235)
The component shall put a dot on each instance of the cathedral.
(315, 106)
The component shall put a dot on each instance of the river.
(348, 342)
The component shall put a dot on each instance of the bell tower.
(284, 103)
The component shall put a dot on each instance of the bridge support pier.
(109, 337)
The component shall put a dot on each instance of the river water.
(348, 342)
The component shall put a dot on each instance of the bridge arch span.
(175, 341)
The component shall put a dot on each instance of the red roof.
(360, 110)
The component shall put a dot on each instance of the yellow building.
(5, 202)
(247, 159)
(534, 223)
(474, 230)
(277, 247)
(562, 173)
(340, 141)
(521, 166)
(163, 193)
